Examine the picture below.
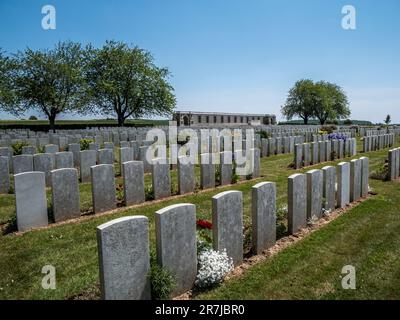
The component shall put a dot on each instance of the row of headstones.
(63, 140)
(317, 152)
(123, 244)
(30, 187)
(25, 162)
(327, 188)
(394, 164)
(280, 145)
(378, 142)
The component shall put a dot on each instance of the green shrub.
(149, 193)
(85, 143)
(381, 173)
(17, 147)
(40, 149)
(162, 281)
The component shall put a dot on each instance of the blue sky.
(235, 55)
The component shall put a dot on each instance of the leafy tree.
(7, 92)
(321, 100)
(330, 102)
(32, 118)
(123, 81)
(300, 101)
(50, 80)
(388, 119)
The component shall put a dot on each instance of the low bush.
(381, 173)
(17, 147)
(85, 143)
(161, 280)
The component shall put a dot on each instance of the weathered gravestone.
(22, 163)
(133, 175)
(315, 152)
(94, 146)
(186, 177)
(298, 156)
(307, 154)
(314, 193)
(30, 200)
(207, 171)
(124, 258)
(105, 156)
(51, 148)
(176, 243)
(65, 194)
(124, 144)
(109, 145)
(28, 150)
(225, 167)
(364, 176)
(87, 160)
(329, 191)
(263, 216)
(44, 162)
(254, 160)
(147, 163)
(161, 179)
(355, 180)
(343, 184)
(227, 221)
(103, 187)
(64, 160)
(328, 150)
(8, 152)
(297, 202)
(4, 175)
(75, 148)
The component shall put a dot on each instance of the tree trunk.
(305, 120)
(52, 120)
(121, 120)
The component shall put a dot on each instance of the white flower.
(313, 220)
(325, 212)
(213, 266)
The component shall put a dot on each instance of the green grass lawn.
(366, 234)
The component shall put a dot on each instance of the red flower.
(204, 224)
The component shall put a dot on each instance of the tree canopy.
(123, 81)
(7, 92)
(113, 80)
(48, 80)
(300, 101)
(321, 100)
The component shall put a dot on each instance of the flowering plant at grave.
(204, 224)
(311, 221)
(337, 136)
(212, 267)
(325, 212)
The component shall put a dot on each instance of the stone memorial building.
(204, 119)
